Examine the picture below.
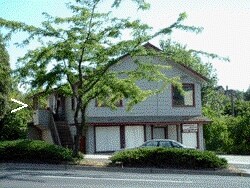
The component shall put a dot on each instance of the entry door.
(134, 136)
(60, 108)
(159, 133)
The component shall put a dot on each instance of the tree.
(14, 125)
(239, 130)
(83, 49)
(5, 80)
(247, 94)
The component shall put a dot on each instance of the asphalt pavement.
(17, 175)
(30, 178)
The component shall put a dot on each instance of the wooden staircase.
(64, 134)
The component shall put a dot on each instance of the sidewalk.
(242, 162)
(237, 159)
(93, 156)
(29, 166)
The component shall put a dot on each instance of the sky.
(226, 26)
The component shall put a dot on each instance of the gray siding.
(158, 105)
(201, 139)
(90, 140)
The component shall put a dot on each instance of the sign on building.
(189, 128)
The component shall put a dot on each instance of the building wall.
(90, 147)
(201, 138)
(158, 105)
(41, 118)
(34, 133)
(46, 136)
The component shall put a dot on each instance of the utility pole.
(231, 95)
(232, 104)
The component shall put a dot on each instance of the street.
(17, 178)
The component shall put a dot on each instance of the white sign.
(189, 128)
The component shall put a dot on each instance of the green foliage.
(247, 95)
(164, 157)
(14, 125)
(5, 79)
(141, 4)
(240, 107)
(216, 134)
(226, 133)
(239, 132)
(33, 151)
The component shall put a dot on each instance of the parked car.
(166, 143)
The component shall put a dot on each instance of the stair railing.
(54, 131)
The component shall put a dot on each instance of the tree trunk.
(79, 129)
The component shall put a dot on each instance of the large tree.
(5, 83)
(83, 48)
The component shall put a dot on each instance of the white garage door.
(134, 136)
(189, 139)
(107, 138)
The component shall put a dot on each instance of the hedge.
(164, 158)
(33, 151)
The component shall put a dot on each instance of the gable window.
(183, 100)
(118, 104)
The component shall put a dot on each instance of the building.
(165, 115)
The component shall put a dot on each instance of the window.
(150, 144)
(187, 99)
(176, 145)
(165, 144)
(118, 104)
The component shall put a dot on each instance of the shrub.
(164, 157)
(33, 151)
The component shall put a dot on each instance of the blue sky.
(226, 26)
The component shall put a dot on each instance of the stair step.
(64, 134)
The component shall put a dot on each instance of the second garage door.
(134, 136)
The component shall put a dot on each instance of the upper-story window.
(183, 100)
(118, 104)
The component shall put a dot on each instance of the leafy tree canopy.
(5, 80)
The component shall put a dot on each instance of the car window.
(150, 143)
(176, 145)
(166, 144)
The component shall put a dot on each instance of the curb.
(34, 166)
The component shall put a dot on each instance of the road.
(25, 178)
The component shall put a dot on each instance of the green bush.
(163, 157)
(33, 151)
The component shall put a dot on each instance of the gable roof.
(181, 65)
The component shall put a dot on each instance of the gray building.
(165, 115)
